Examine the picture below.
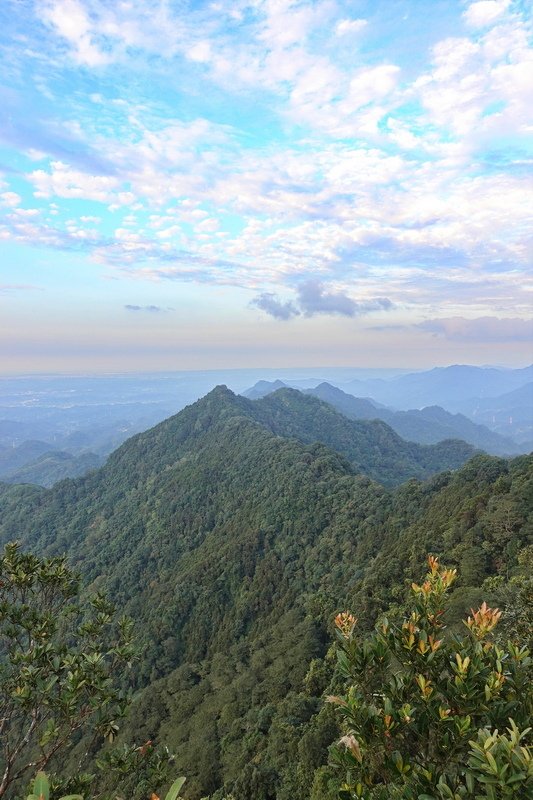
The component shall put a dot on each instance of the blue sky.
(266, 183)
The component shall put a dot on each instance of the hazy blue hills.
(510, 413)
(51, 467)
(427, 425)
(451, 387)
(262, 388)
(43, 464)
(352, 407)
(435, 418)
(232, 532)
(12, 458)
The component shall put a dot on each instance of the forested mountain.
(231, 533)
(428, 425)
(51, 467)
(371, 446)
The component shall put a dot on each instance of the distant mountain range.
(485, 395)
(41, 463)
(290, 413)
(426, 426)
(91, 416)
(453, 387)
(508, 413)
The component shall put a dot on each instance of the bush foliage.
(433, 716)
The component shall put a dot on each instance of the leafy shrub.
(433, 716)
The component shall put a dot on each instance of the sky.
(262, 183)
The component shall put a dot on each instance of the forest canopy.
(233, 542)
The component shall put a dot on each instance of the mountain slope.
(231, 542)
(370, 445)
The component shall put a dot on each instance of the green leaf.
(41, 787)
(173, 792)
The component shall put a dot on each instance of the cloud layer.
(483, 329)
(323, 161)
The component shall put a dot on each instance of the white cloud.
(208, 226)
(349, 26)
(372, 84)
(11, 199)
(484, 12)
(26, 213)
(375, 173)
(200, 51)
(401, 135)
(63, 181)
(287, 22)
(72, 23)
(481, 88)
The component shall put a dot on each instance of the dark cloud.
(314, 299)
(149, 309)
(271, 304)
(481, 329)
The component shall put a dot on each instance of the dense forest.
(426, 425)
(233, 532)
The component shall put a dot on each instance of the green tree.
(62, 661)
(433, 716)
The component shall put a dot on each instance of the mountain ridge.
(430, 425)
(232, 543)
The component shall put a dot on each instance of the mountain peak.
(262, 388)
(220, 391)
